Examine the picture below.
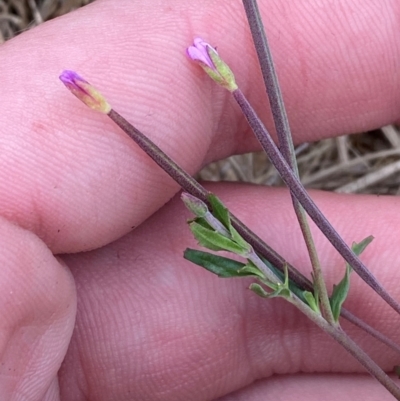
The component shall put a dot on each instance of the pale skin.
(133, 320)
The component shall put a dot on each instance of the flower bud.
(85, 92)
(208, 58)
(195, 205)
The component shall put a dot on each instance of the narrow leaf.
(256, 288)
(212, 240)
(239, 240)
(358, 248)
(340, 291)
(311, 301)
(219, 265)
(203, 222)
(278, 292)
(251, 269)
(219, 210)
(339, 294)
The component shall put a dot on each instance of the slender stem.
(319, 281)
(217, 225)
(185, 180)
(257, 261)
(271, 82)
(308, 204)
(370, 330)
(333, 330)
(285, 141)
(190, 185)
(351, 346)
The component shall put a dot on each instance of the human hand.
(149, 325)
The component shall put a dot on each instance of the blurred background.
(366, 162)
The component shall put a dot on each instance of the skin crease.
(149, 325)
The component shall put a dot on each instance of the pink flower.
(208, 58)
(200, 52)
(84, 91)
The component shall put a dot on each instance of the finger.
(37, 316)
(192, 335)
(313, 387)
(74, 179)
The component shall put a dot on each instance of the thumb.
(37, 316)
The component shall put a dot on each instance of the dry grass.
(19, 15)
(363, 163)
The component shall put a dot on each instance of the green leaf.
(256, 288)
(311, 301)
(219, 210)
(212, 240)
(252, 270)
(292, 286)
(239, 240)
(223, 267)
(340, 291)
(339, 294)
(203, 222)
(358, 248)
(280, 291)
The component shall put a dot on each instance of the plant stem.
(305, 200)
(333, 330)
(252, 255)
(190, 185)
(343, 339)
(285, 141)
(271, 82)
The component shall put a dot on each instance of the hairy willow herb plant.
(216, 228)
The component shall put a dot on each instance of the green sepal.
(341, 290)
(222, 75)
(219, 265)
